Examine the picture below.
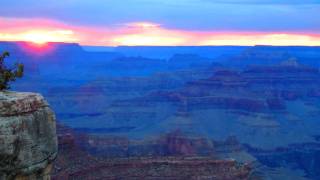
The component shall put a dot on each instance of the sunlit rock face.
(28, 142)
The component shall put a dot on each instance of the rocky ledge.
(28, 141)
(171, 168)
(83, 156)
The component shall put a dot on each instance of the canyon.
(257, 107)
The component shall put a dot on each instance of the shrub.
(9, 74)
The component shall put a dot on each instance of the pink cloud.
(139, 33)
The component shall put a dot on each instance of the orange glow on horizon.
(40, 32)
(275, 39)
(38, 38)
(42, 37)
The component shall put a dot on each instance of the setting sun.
(37, 38)
(43, 37)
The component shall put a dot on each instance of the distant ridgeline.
(68, 62)
(221, 54)
(55, 52)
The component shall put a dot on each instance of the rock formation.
(77, 160)
(28, 142)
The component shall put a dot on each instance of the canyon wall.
(28, 141)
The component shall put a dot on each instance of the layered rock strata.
(28, 141)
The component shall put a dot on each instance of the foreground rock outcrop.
(28, 141)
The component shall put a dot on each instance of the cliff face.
(28, 142)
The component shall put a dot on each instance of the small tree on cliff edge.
(8, 74)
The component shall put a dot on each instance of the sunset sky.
(162, 22)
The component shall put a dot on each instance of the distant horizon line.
(83, 45)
